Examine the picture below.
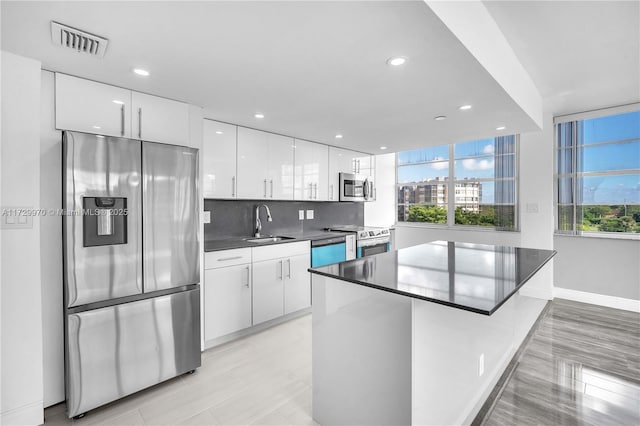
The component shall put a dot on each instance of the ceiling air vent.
(80, 41)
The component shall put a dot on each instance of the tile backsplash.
(236, 218)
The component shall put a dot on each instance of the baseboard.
(30, 414)
(597, 299)
(537, 293)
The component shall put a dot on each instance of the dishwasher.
(328, 250)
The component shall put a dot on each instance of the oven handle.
(372, 242)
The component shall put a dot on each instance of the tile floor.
(581, 366)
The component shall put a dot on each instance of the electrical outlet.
(309, 214)
(481, 365)
(532, 207)
(300, 214)
(207, 216)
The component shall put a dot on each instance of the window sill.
(436, 226)
(601, 235)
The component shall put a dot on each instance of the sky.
(475, 159)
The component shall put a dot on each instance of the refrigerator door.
(118, 350)
(171, 216)
(103, 249)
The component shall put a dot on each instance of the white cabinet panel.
(227, 300)
(90, 107)
(297, 283)
(253, 154)
(340, 161)
(268, 290)
(311, 171)
(280, 167)
(219, 160)
(159, 120)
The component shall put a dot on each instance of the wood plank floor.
(581, 366)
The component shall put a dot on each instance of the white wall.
(22, 386)
(381, 212)
(51, 245)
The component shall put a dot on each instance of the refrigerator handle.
(122, 120)
(140, 123)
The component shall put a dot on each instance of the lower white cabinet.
(248, 286)
(297, 283)
(227, 292)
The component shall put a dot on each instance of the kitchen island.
(419, 335)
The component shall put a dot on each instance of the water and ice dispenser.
(104, 221)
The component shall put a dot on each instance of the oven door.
(371, 247)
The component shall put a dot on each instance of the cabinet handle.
(310, 190)
(358, 162)
(248, 274)
(265, 188)
(280, 268)
(271, 188)
(289, 268)
(122, 120)
(140, 123)
(315, 196)
(229, 258)
(331, 192)
(233, 186)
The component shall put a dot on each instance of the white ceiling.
(582, 55)
(316, 69)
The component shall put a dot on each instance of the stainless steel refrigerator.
(131, 266)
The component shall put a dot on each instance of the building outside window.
(598, 174)
(471, 183)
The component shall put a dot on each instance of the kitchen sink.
(259, 240)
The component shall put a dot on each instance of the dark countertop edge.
(237, 243)
(438, 301)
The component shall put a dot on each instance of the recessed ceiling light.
(141, 72)
(383, 147)
(501, 127)
(96, 127)
(338, 136)
(218, 132)
(464, 107)
(440, 117)
(115, 101)
(396, 61)
(258, 115)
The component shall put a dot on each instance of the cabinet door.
(253, 154)
(90, 107)
(340, 161)
(311, 171)
(280, 167)
(297, 283)
(219, 160)
(364, 164)
(159, 120)
(227, 300)
(268, 290)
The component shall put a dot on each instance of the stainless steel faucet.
(258, 223)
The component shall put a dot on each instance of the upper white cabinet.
(363, 164)
(311, 171)
(346, 161)
(159, 119)
(265, 165)
(90, 107)
(219, 160)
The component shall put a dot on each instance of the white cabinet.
(158, 119)
(265, 165)
(364, 164)
(346, 161)
(281, 283)
(90, 107)
(311, 176)
(297, 283)
(227, 292)
(219, 160)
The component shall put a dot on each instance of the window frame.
(576, 176)
(451, 182)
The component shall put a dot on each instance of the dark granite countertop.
(241, 242)
(474, 277)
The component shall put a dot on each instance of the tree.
(431, 214)
(618, 224)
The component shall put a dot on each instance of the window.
(480, 174)
(598, 175)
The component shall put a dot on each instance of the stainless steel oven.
(369, 241)
(356, 187)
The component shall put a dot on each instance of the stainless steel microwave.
(356, 187)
